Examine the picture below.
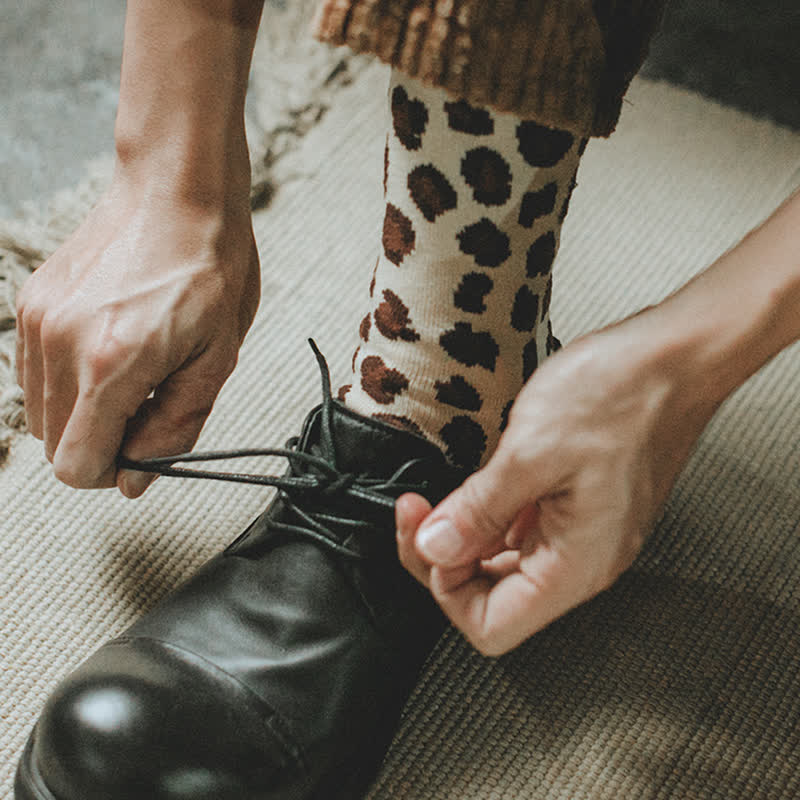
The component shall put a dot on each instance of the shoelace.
(311, 480)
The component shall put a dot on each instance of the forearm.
(180, 123)
(730, 320)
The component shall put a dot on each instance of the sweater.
(563, 63)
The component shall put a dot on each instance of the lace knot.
(338, 484)
(312, 477)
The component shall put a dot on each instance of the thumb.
(168, 423)
(472, 522)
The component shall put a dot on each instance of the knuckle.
(188, 420)
(30, 317)
(104, 359)
(99, 365)
(604, 578)
(487, 645)
(476, 502)
(71, 466)
(221, 361)
(70, 472)
(53, 331)
(514, 462)
(22, 299)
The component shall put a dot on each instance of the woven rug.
(683, 681)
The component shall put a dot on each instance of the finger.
(19, 355)
(497, 615)
(59, 395)
(502, 565)
(111, 386)
(33, 377)
(472, 522)
(524, 525)
(170, 422)
(494, 569)
(472, 608)
(410, 510)
(87, 449)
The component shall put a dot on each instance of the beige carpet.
(681, 682)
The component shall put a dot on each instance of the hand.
(127, 333)
(594, 443)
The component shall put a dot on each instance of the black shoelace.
(313, 485)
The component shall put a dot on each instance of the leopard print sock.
(460, 295)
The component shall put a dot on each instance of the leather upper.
(280, 668)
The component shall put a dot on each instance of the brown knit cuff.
(541, 59)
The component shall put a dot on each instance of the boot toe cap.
(139, 720)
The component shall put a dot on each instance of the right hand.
(595, 441)
(127, 333)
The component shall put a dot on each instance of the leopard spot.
(470, 347)
(485, 242)
(488, 174)
(363, 328)
(399, 237)
(465, 441)
(431, 191)
(410, 118)
(548, 294)
(562, 215)
(459, 393)
(386, 165)
(541, 146)
(342, 393)
(392, 318)
(530, 359)
(553, 344)
(380, 382)
(504, 415)
(399, 421)
(525, 311)
(374, 276)
(541, 255)
(537, 204)
(463, 117)
(470, 294)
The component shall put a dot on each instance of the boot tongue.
(365, 446)
(368, 446)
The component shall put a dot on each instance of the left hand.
(594, 443)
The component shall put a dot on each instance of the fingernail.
(136, 483)
(440, 542)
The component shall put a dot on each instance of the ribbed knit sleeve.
(564, 63)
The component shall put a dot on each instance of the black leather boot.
(280, 669)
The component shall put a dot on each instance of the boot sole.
(347, 782)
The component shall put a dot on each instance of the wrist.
(186, 168)
(731, 319)
(180, 121)
(173, 216)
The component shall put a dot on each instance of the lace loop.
(311, 480)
